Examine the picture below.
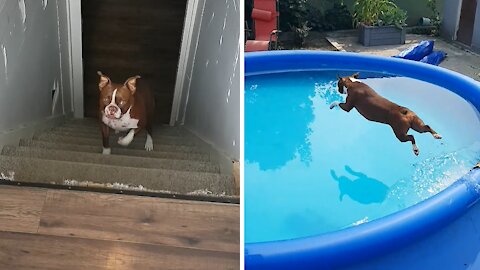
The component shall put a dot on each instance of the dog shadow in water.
(360, 188)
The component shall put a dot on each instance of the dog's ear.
(104, 80)
(131, 83)
(356, 75)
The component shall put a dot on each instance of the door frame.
(76, 59)
(75, 55)
(187, 38)
(457, 26)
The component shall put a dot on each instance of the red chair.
(265, 18)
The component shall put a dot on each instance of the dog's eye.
(122, 103)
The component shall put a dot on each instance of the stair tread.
(118, 160)
(53, 171)
(138, 144)
(96, 139)
(116, 150)
(97, 133)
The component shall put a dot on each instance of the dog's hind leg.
(419, 126)
(401, 134)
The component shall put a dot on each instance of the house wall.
(450, 18)
(476, 29)
(212, 99)
(34, 75)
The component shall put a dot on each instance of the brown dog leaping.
(379, 109)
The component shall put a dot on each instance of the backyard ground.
(459, 58)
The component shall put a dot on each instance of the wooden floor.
(60, 229)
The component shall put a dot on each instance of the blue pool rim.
(369, 240)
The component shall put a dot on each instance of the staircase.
(70, 155)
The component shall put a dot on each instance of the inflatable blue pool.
(441, 231)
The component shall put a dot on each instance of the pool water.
(311, 170)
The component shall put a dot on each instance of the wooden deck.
(60, 229)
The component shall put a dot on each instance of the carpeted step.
(138, 144)
(116, 150)
(97, 133)
(117, 160)
(52, 171)
(96, 139)
(96, 130)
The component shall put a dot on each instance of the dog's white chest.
(123, 123)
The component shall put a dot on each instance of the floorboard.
(30, 251)
(142, 219)
(61, 229)
(20, 209)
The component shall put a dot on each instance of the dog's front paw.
(149, 143)
(149, 147)
(124, 141)
(336, 103)
(107, 151)
(437, 136)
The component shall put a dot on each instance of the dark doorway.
(467, 20)
(123, 38)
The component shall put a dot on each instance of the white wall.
(450, 22)
(476, 29)
(34, 60)
(213, 104)
(451, 15)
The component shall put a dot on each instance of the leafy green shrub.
(337, 18)
(435, 17)
(301, 33)
(293, 15)
(378, 13)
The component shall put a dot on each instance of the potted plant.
(380, 22)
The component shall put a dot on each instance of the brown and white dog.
(125, 107)
(379, 109)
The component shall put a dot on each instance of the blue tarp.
(423, 52)
(434, 58)
(417, 52)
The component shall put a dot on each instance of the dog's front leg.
(105, 134)
(127, 139)
(346, 106)
(334, 104)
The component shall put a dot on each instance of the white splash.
(361, 221)
(21, 6)
(44, 4)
